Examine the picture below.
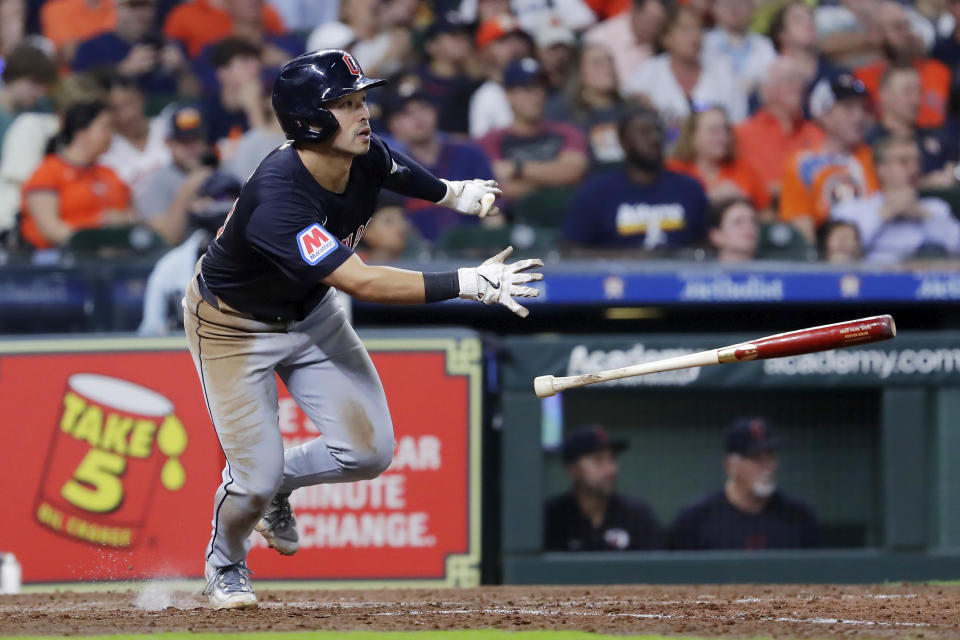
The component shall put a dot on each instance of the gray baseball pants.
(328, 373)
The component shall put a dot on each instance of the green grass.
(465, 634)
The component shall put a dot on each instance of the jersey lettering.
(314, 243)
(352, 65)
(227, 219)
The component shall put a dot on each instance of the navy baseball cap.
(828, 92)
(397, 100)
(588, 440)
(525, 72)
(187, 124)
(749, 436)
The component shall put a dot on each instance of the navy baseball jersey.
(713, 523)
(286, 232)
(628, 524)
(611, 211)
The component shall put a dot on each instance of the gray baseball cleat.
(229, 587)
(279, 526)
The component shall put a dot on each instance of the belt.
(211, 298)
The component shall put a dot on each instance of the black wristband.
(442, 285)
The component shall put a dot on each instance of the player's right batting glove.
(496, 282)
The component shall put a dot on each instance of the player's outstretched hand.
(495, 282)
(472, 197)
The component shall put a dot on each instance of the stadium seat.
(136, 239)
(781, 241)
(546, 208)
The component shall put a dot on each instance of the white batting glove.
(467, 196)
(496, 282)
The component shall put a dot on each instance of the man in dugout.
(592, 516)
(750, 512)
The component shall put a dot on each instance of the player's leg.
(235, 364)
(332, 378)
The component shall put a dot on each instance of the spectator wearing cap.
(750, 512)
(533, 153)
(900, 97)
(27, 76)
(733, 234)
(556, 49)
(71, 190)
(895, 223)
(838, 168)
(642, 205)
(592, 102)
(778, 129)
(901, 47)
(238, 106)
(680, 78)
(501, 42)
(630, 36)
(592, 516)
(163, 198)
(157, 66)
(706, 150)
(748, 54)
(412, 120)
(444, 77)
(139, 145)
(199, 23)
(169, 278)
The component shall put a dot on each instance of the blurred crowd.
(731, 130)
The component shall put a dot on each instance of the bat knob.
(543, 386)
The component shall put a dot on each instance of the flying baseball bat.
(792, 343)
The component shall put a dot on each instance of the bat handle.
(544, 387)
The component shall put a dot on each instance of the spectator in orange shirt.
(901, 47)
(67, 23)
(706, 151)
(778, 129)
(837, 169)
(201, 22)
(69, 190)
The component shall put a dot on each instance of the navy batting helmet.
(306, 83)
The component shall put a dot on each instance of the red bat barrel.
(824, 338)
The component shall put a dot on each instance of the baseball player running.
(263, 302)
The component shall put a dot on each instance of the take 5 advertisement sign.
(110, 464)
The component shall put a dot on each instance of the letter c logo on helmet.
(352, 65)
(310, 81)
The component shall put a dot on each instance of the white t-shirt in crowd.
(749, 57)
(133, 165)
(489, 109)
(22, 152)
(533, 14)
(304, 15)
(887, 241)
(655, 80)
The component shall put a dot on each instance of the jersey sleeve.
(290, 236)
(406, 177)
(47, 177)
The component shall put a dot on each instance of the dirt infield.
(742, 610)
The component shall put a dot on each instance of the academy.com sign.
(876, 363)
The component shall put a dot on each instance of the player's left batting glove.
(496, 282)
(467, 196)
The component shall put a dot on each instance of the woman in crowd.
(70, 190)
(593, 103)
(706, 151)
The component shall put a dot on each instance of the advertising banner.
(913, 358)
(110, 465)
